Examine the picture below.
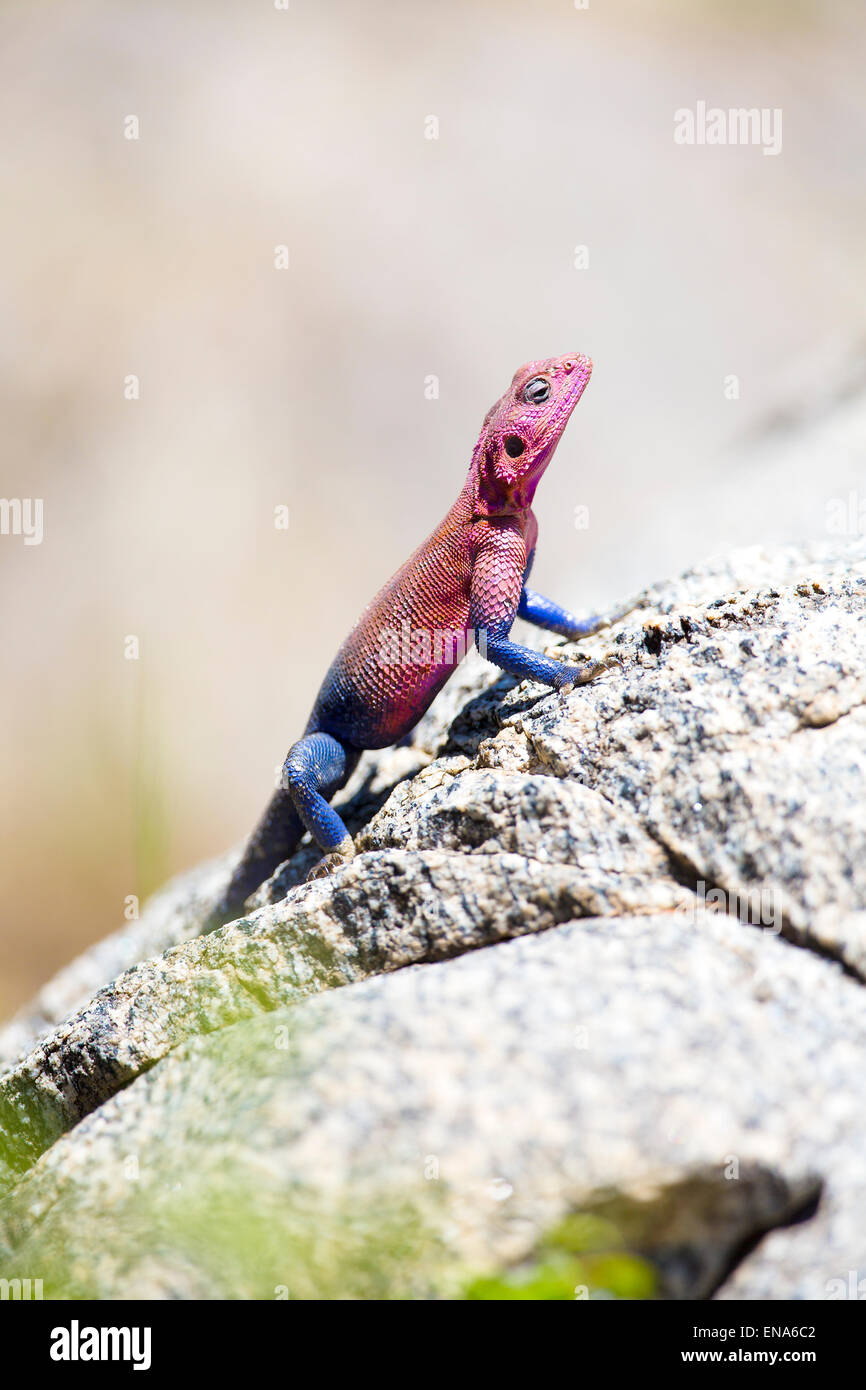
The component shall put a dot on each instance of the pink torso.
(413, 634)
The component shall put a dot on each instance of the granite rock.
(597, 952)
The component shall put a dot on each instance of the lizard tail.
(274, 839)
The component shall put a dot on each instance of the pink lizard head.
(521, 431)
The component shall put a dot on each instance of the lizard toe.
(330, 863)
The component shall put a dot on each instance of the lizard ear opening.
(514, 446)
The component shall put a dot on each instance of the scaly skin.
(466, 582)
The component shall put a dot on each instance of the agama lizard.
(466, 581)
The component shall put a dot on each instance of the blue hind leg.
(316, 767)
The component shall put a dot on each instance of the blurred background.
(307, 387)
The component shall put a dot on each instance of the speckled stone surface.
(643, 1054)
(575, 838)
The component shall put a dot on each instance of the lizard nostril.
(514, 446)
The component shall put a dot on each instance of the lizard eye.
(536, 391)
(514, 446)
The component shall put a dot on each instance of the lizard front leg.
(497, 585)
(543, 612)
(529, 665)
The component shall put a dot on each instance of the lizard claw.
(329, 863)
(590, 671)
(606, 663)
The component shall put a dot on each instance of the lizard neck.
(495, 492)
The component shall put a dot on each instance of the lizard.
(467, 581)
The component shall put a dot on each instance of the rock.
(542, 865)
(638, 1067)
(394, 909)
(171, 916)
